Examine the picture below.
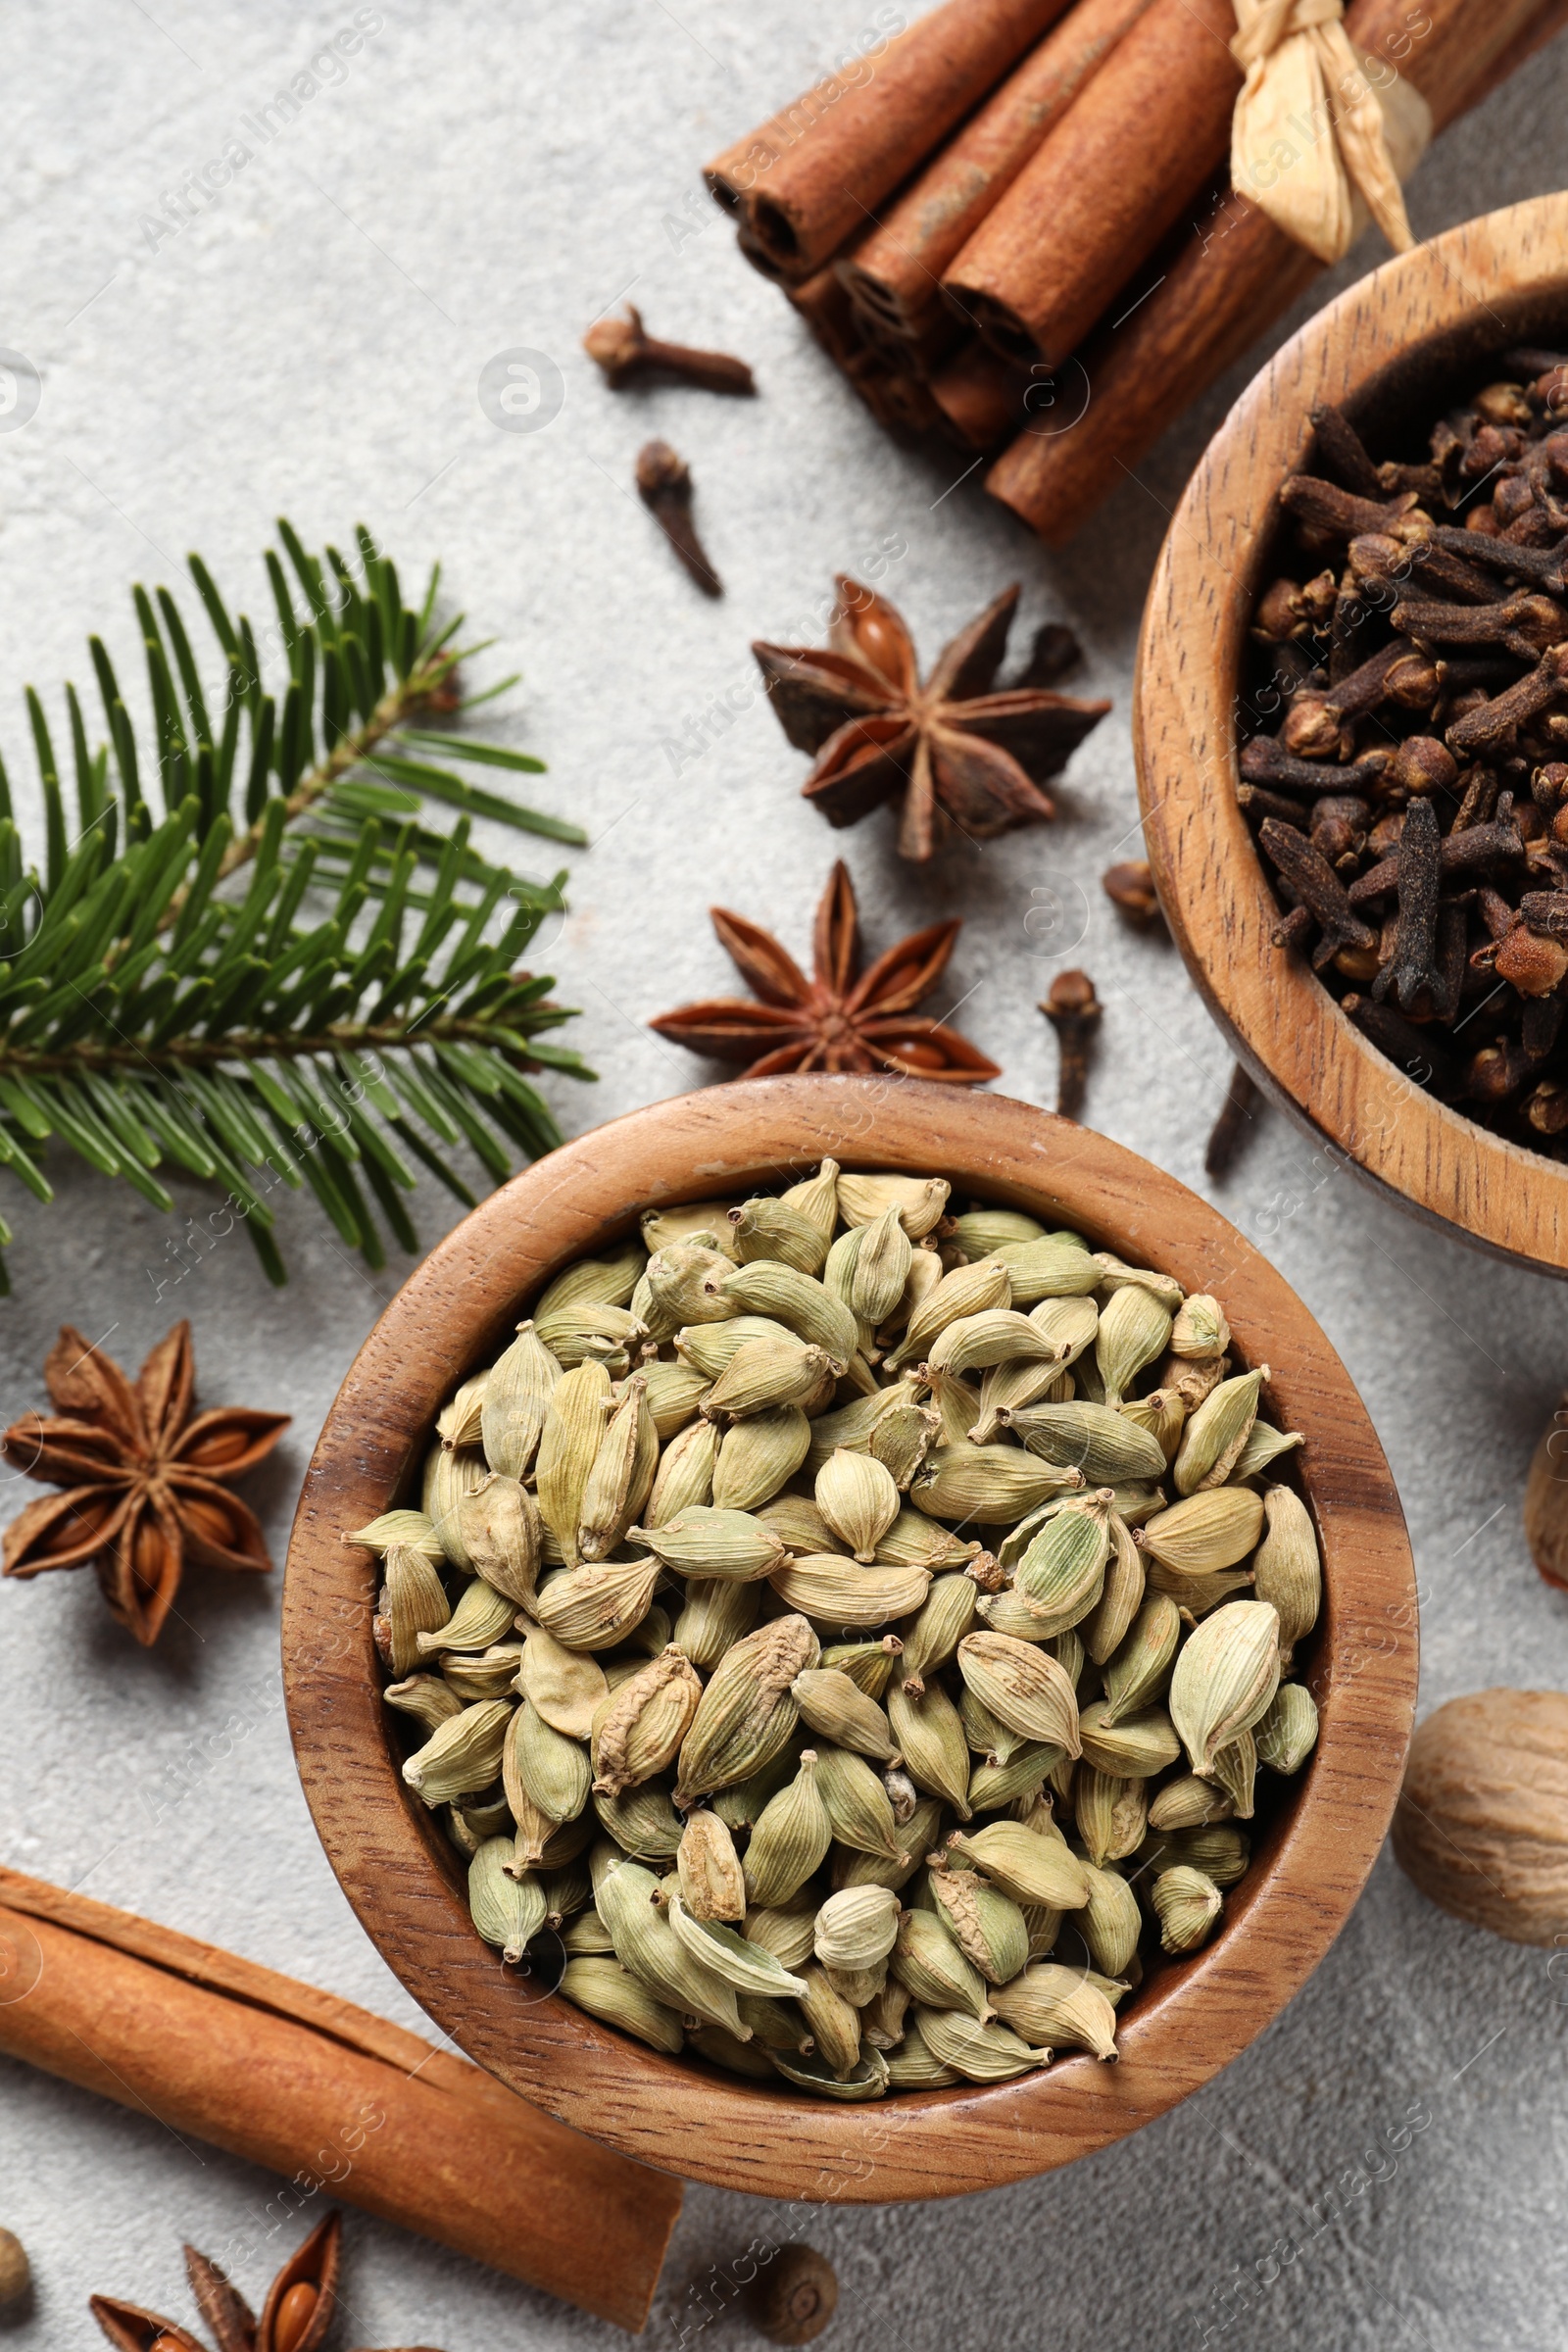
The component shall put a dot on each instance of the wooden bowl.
(1386, 348)
(405, 1882)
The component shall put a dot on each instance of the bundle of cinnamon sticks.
(1011, 222)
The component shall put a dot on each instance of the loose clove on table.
(1073, 1010)
(665, 486)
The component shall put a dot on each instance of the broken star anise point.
(143, 1478)
(840, 1019)
(960, 755)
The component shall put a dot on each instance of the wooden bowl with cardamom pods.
(1186, 2019)
(1395, 347)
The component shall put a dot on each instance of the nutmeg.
(1482, 1821)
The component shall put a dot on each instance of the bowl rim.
(1454, 297)
(394, 1863)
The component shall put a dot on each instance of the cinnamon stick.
(983, 400)
(893, 272)
(1118, 170)
(808, 177)
(1238, 274)
(344, 2104)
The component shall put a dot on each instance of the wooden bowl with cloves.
(1352, 729)
(1313, 1837)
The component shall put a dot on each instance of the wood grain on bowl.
(1379, 351)
(406, 1884)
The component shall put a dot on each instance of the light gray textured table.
(481, 178)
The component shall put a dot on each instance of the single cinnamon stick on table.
(1118, 170)
(893, 272)
(274, 2070)
(808, 177)
(1238, 274)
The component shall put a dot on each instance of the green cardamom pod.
(482, 1615)
(498, 1523)
(677, 1392)
(932, 1638)
(931, 1741)
(595, 1607)
(1287, 1572)
(1205, 1533)
(838, 1591)
(747, 1713)
(1134, 1329)
(575, 1423)
(816, 1198)
(604, 1989)
(424, 1696)
(767, 1373)
(461, 1754)
(881, 1268)
(1112, 1813)
(1030, 1868)
(803, 1305)
(1110, 1921)
(835, 2024)
(1199, 1329)
(792, 1835)
(920, 1200)
(1141, 1669)
(768, 1228)
(989, 1484)
(749, 1966)
(712, 1882)
(717, 1613)
(1213, 1438)
(642, 1724)
(859, 1500)
(685, 1474)
(1134, 1746)
(642, 1821)
(858, 1808)
(1058, 2008)
(1187, 1906)
(414, 1607)
(507, 1912)
(759, 1457)
(971, 1290)
(1055, 1266)
(833, 1705)
(709, 1348)
(1188, 1803)
(1286, 1732)
(1226, 1673)
(856, 1927)
(707, 1542)
(1023, 1685)
(622, 1473)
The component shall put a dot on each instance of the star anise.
(959, 755)
(295, 2316)
(143, 1481)
(840, 1019)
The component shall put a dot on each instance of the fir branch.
(233, 990)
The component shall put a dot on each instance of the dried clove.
(1234, 1125)
(1073, 1010)
(665, 486)
(1318, 888)
(1417, 859)
(1130, 888)
(626, 352)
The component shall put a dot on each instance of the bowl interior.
(406, 1879)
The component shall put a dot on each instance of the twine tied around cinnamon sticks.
(1309, 132)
